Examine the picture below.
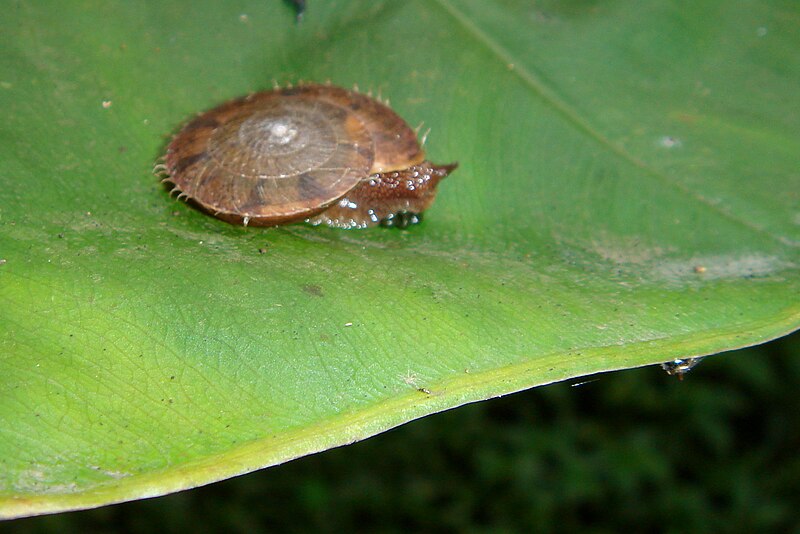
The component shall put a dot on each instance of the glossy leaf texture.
(628, 193)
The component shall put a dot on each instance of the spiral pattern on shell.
(286, 155)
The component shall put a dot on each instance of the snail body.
(314, 153)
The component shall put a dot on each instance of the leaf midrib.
(550, 97)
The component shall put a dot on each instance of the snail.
(314, 153)
(681, 366)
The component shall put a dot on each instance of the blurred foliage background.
(636, 450)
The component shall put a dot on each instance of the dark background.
(627, 451)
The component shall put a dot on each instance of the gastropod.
(681, 366)
(315, 153)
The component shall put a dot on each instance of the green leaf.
(628, 194)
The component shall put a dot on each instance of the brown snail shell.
(317, 153)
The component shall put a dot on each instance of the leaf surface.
(628, 193)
